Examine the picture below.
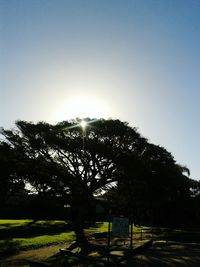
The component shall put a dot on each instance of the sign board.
(120, 227)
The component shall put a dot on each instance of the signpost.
(120, 228)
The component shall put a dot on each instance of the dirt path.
(161, 254)
(167, 254)
(40, 254)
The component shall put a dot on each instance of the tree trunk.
(78, 228)
(78, 217)
(79, 232)
(80, 207)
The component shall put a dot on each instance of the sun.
(83, 124)
(82, 107)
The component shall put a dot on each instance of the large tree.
(75, 164)
(71, 162)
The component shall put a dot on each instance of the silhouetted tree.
(153, 186)
(60, 160)
(10, 182)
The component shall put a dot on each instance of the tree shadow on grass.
(34, 229)
(37, 228)
(8, 247)
(15, 263)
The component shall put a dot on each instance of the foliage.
(76, 165)
(154, 189)
(59, 160)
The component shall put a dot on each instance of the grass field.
(17, 235)
(41, 240)
(43, 237)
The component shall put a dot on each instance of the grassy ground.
(17, 235)
(42, 239)
(26, 234)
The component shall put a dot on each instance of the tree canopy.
(76, 164)
(60, 160)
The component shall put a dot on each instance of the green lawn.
(16, 235)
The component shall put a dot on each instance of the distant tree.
(153, 185)
(195, 188)
(10, 182)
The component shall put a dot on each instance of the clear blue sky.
(136, 60)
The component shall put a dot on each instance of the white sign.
(120, 227)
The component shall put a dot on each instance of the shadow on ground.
(161, 254)
(9, 245)
(34, 229)
(167, 254)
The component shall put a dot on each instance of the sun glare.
(82, 107)
(83, 124)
